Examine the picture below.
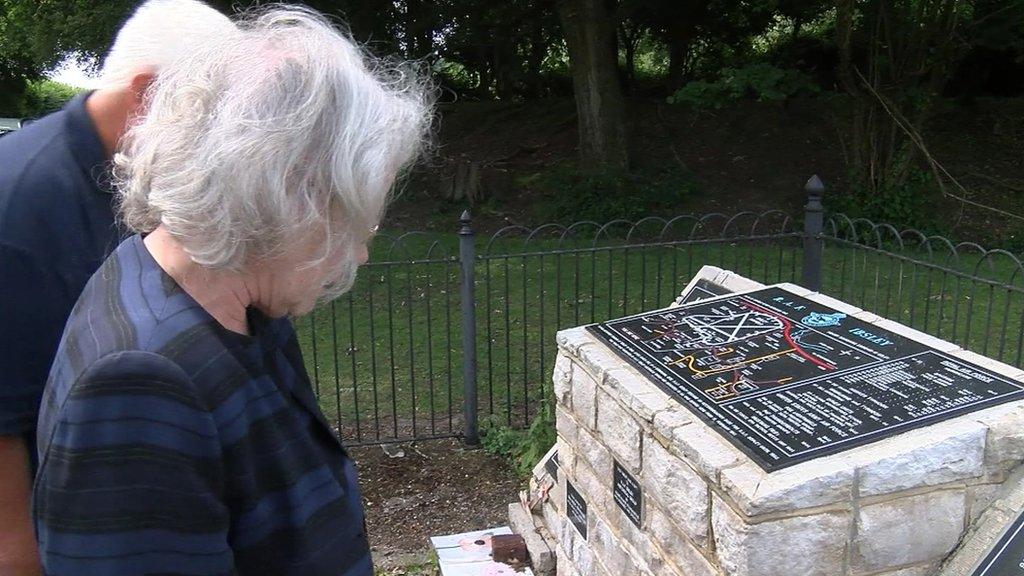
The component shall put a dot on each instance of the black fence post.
(467, 264)
(813, 228)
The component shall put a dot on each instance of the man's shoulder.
(36, 178)
(20, 151)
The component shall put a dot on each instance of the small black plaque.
(551, 465)
(787, 380)
(626, 491)
(1007, 556)
(576, 509)
(702, 290)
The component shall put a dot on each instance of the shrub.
(909, 203)
(44, 96)
(522, 448)
(761, 81)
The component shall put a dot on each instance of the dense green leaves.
(516, 49)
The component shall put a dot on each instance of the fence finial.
(466, 220)
(815, 186)
(813, 226)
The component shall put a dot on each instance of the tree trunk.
(677, 53)
(679, 35)
(630, 42)
(590, 36)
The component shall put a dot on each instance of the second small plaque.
(628, 496)
(576, 509)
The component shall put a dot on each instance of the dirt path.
(433, 488)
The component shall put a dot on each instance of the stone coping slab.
(975, 448)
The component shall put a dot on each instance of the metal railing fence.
(443, 330)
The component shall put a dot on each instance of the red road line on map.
(785, 334)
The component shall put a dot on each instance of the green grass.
(386, 359)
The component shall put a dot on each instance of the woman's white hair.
(258, 144)
(158, 33)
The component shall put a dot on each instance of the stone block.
(979, 498)
(606, 546)
(566, 454)
(705, 449)
(565, 427)
(821, 482)
(571, 339)
(737, 283)
(596, 358)
(887, 536)
(552, 515)
(635, 391)
(868, 317)
(584, 390)
(595, 490)
(595, 454)
(666, 421)
(976, 544)
(1004, 449)
(582, 553)
(793, 288)
(678, 488)
(564, 566)
(561, 378)
(635, 541)
(676, 548)
(811, 545)
(619, 431)
(944, 452)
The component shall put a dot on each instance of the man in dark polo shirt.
(57, 227)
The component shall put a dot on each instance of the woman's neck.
(224, 295)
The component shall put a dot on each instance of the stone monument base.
(643, 486)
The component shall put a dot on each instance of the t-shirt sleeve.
(32, 315)
(131, 479)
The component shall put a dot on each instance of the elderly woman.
(179, 433)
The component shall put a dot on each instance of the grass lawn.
(386, 358)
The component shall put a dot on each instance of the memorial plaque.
(576, 509)
(551, 465)
(702, 290)
(1007, 556)
(786, 379)
(626, 491)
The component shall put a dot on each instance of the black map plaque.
(626, 491)
(1006, 558)
(702, 290)
(786, 379)
(576, 509)
(551, 465)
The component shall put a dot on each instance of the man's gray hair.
(284, 134)
(156, 34)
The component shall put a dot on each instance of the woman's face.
(294, 286)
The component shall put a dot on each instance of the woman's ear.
(140, 82)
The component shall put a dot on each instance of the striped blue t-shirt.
(171, 445)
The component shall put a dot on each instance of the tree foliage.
(897, 57)
(892, 57)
